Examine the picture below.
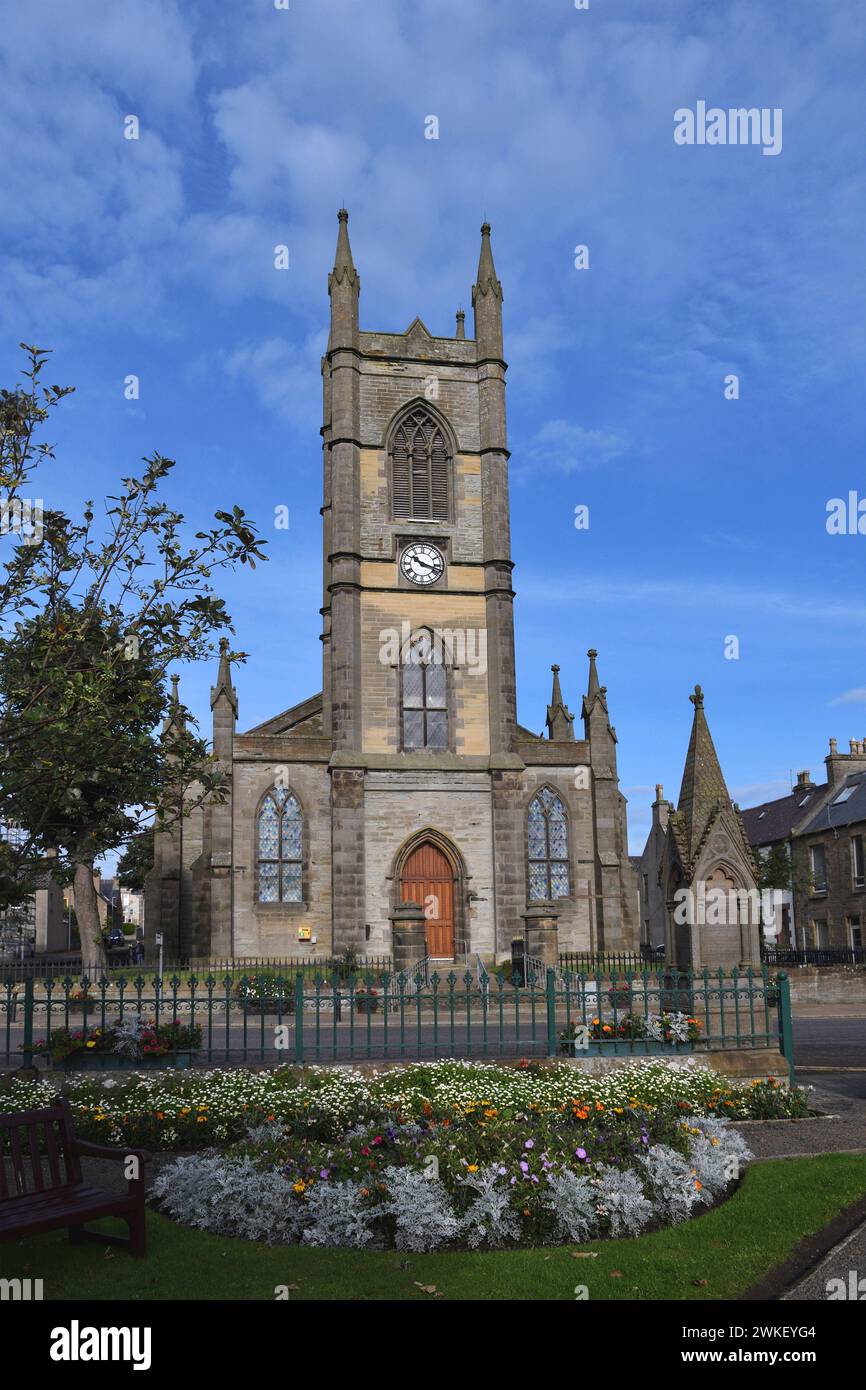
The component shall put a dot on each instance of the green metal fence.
(273, 1018)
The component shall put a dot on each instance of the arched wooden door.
(428, 879)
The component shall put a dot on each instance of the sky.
(154, 257)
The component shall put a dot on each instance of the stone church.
(408, 777)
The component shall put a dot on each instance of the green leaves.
(93, 618)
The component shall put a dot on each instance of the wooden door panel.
(428, 880)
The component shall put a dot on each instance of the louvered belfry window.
(420, 462)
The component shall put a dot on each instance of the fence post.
(551, 1012)
(786, 1032)
(27, 1059)
(299, 1018)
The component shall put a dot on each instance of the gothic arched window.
(280, 833)
(420, 464)
(424, 698)
(547, 847)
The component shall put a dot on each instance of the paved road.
(842, 1274)
(836, 1048)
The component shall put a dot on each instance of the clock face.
(422, 563)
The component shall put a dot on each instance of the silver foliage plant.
(573, 1200)
(421, 1208)
(490, 1219)
(336, 1215)
(673, 1182)
(231, 1196)
(621, 1200)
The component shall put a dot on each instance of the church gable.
(301, 721)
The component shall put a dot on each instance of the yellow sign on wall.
(304, 933)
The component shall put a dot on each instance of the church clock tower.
(418, 635)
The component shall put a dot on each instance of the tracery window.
(547, 847)
(424, 697)
(420, 464)
(280, 857)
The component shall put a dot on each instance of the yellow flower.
(299, 1186)
(472, 1167)
(200, 1119)
(90, 1044)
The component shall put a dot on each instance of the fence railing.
(845, 955)
(271, 1019)
(69, 966)
(612, 960)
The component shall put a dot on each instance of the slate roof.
(703, 786)
(851, 811)
(774, 820)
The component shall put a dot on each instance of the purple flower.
(530, 1144)
(580, 1153)
(524, 1166)
(502, 1172)
(323, 1173)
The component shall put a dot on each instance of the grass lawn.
(718, 1255)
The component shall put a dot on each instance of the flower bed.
(189, 1110)
(471, 1176)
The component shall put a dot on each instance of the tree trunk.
(93, 961)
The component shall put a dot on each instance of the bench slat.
(35, 1156)
(51, 1151)
(17, 1164)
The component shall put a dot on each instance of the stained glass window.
(280, 856)
(547, 847)
(425, 694)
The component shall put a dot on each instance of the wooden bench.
(41, 1186)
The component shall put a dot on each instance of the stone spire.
(487, 302)
(344, 266)
(594, 691)
(175, 717)
(703, 787)
(461, 324)
(224, 703)
(224, 678)
(344, 287)
(560, 723)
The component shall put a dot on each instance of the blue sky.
(707, 516)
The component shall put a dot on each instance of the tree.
(775, 868)
(93, 617)
(136, 862)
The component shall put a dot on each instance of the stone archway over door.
(428, 879)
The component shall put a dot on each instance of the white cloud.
(561, 446)
(285, 377)
(850, 697)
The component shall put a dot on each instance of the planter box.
(366, 1006)
(622, 1047)
(110, 1061)
(278, 1004)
